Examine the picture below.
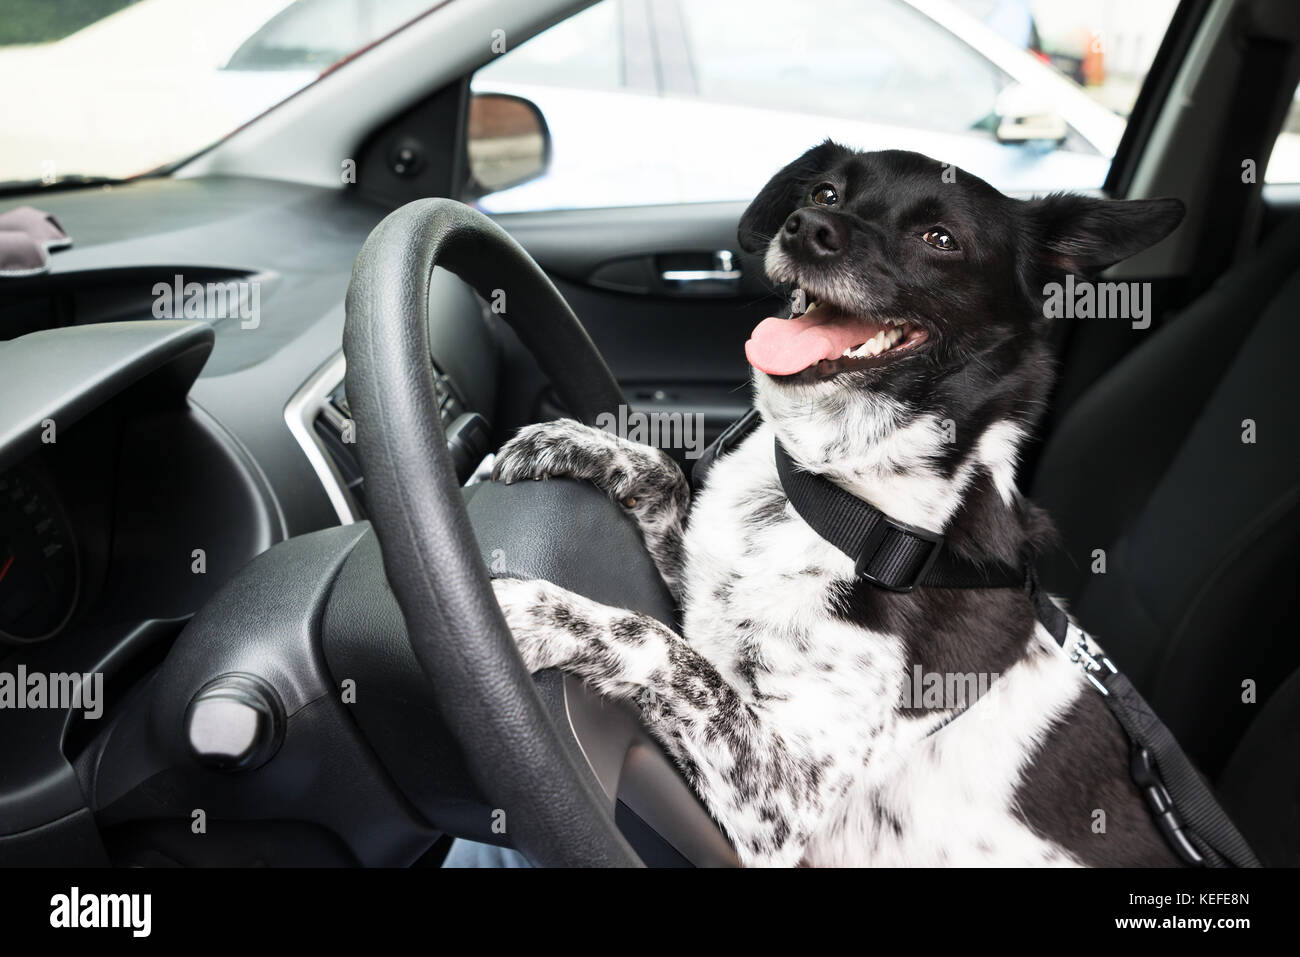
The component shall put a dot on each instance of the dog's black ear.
(1083, 235)
(778, 199)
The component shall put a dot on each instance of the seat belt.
(900, 558)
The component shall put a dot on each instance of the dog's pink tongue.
(786, 346)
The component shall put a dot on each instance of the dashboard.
(145, 459)
(267, 410)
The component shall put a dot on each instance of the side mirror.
(1025, 115)
(507, 140)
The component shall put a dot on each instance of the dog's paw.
(637, 476)
(544, 618)
(552, 449)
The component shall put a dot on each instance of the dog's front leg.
(645, 481)
(769, 790)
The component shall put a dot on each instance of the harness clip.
(1092, 665)
(1162, 807)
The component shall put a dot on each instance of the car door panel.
(675, 349)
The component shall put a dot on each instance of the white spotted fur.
(827, 690)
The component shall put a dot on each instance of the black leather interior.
(1199, 528)
(557, 813)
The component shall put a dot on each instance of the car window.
(874, 60)
(113, 88)
(312, 34)
(679, 101)
(585, 51)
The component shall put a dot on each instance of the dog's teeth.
(798, 303)
(882, 341)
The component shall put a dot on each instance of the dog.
(912, 370)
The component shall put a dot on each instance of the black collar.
(886, 552)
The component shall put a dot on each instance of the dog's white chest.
(754, 573)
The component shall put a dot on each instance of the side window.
(867, 60)
(583, 52)
(683, 101)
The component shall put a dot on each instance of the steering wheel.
(558, 815)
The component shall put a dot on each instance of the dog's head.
(921, 287)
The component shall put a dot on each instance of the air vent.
(467, 433)
(335, 429)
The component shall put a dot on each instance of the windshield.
(113, 88)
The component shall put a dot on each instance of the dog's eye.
(825, 195)
(940, 238)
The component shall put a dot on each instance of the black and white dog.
(793, 701)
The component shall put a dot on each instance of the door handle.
(688, 274)
(724, 271)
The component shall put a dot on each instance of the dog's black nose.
(815, 233)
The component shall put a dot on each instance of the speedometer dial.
(39, 571)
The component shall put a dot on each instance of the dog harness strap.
(1182, 806)
(1176, 792)
(887, 553)
(900, 558)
